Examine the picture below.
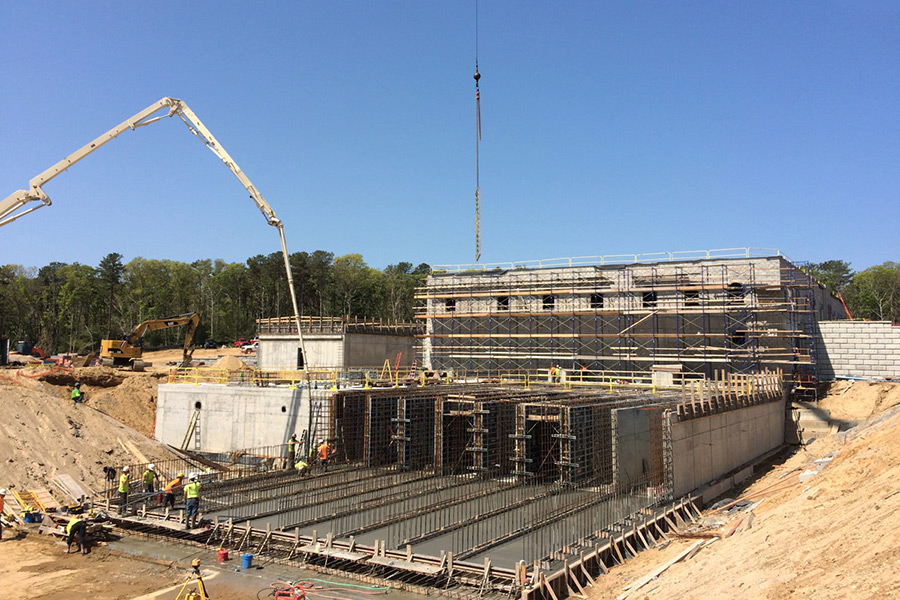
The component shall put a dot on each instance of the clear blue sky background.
(608, 128)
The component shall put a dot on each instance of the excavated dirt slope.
(42, 434)
(826, 536)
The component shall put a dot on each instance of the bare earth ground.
(42, 434)
(829, 537)
(832, 536)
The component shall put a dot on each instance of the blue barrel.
(246, 560)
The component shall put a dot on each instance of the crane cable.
(477, 140)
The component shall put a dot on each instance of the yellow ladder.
(192, 425)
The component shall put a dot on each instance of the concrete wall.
(632, 444)
(325, 351)
(858, 349)
(706, 448)
(231, 417)
(336, 351)
(366, 350)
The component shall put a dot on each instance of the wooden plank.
(44, 499)
(73, 488)
(333, 552)
(397, 563)
(134, 451)
(657, 571)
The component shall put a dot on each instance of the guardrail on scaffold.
(614, 259)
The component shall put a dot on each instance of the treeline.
(71, 307)
(872, 294)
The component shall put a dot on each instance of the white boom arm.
(35, 193)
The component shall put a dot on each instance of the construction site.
(552, 426)
(677, 425)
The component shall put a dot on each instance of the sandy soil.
(829, 537)
(42, 434)
(35, 567)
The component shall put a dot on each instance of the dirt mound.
(848, 400)
(133, 402)
(42, 434)
(232, 363)
(100, 376)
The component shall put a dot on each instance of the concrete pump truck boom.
(19, 200)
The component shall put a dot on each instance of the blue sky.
(608, 128)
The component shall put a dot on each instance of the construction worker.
(323, 454)
(77, 395)
(171, 489)
(292, 450)
(192, 502)
(2, 504)
(302, 467)
(123, 490)
(148, 479)
(77, 527)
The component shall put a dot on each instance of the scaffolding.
(737, 315)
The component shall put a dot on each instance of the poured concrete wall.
(858, 349)
(231, 417)
(325, 351)
(367, 350)
(336, 351)
(706, 448)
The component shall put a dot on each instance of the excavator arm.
(20, 200)
(129, 346)
(192, 320)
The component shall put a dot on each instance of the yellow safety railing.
(375, 377)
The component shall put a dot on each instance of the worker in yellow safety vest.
(292, 450)
(77, 395)
(149, 477)
(192, 502)
(123, 490)
(76, 528)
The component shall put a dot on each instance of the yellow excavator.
(127, 351)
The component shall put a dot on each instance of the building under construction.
(494, 473)
(727, 310)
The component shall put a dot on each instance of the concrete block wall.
(857, 349)
(707, 448)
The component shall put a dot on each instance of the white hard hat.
(2, 491)
(151, 466)
(126, 469)
(193, 476)
(321, 441)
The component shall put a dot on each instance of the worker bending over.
(192, 502)
(76, 528)
(171, 489)
(302, 467)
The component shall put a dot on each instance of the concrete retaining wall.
(232, 417)
(706, 448)
(858, 349)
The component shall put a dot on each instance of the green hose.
(383, 589)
